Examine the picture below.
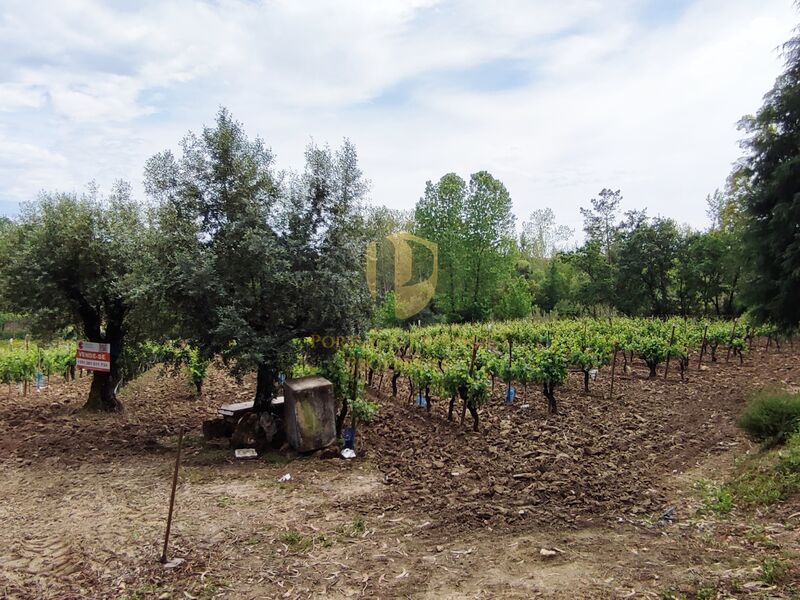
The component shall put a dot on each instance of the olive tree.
(248, 260)
(69, 260)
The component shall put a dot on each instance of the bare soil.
(429, 509)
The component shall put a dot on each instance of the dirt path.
(430, 509)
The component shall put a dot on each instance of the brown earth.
(428, 510)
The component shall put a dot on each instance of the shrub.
(771, 416)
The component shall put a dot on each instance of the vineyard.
(24, 363)
(467, 363)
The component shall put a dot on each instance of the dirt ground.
(565, 506)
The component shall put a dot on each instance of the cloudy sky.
(557, 99)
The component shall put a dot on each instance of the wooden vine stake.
(510, 358)
(702, 348)
(613, 369)
(172, 496)
(471, 370)
(730, 341)
(669, 349)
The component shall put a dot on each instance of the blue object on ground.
(349, 438)
(511, 393)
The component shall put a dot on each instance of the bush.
(771, 416)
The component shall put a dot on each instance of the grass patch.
(717, 499)
(706, 593)
(769, 476)
(296, 540)
(772, 416)
(774, 571)
(356, 528)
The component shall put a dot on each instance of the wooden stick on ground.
(172, 496)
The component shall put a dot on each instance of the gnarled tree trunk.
(103, 392)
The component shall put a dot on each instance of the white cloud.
(610, 99)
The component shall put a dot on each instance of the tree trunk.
(450, 409)
(552, 405)
(103, 392)
(586, 381)
(474, 412)
(653, 372)
(395, 376)
(102, 396)
(265, 387)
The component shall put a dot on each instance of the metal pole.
(172, 496)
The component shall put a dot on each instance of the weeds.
(355, 528)
(773, 571)
(716, 499)
(771, 416)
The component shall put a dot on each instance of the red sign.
(92, 356)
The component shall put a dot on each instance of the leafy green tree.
(247, 262)
(647, 255)
(772, 204)
(552, 289)
(597, 287)
(488, 237)
(473, 226)
(514, 301)
(71, 260)
(439, 218)
(380, 222)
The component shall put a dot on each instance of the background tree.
(772, 170)
(380, 222)
(71, 260)
(514, 301)
(597, 287)
(488, 237)
(600, 221)
(439, 217)
(647, 254)
(247, 262)
(541, 236)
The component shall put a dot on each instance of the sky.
(556, 99)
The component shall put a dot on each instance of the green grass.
(774, 571)
(706, 593)
(296, 541)
(355, 528)
(768, 476)
(716, 498)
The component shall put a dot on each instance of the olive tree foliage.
(247, 260)
(70, 261)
